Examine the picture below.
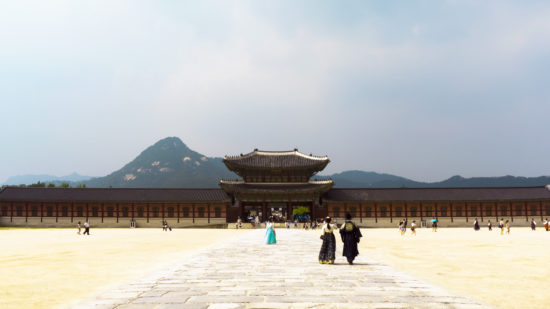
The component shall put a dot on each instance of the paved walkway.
(245, 273)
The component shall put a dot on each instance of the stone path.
(245, 273)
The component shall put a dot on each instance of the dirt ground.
(49, 268)
(507, 271)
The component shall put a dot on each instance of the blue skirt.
(269, 237)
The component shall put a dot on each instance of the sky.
(420, 89)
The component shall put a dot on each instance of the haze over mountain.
(169, 163)
(29, 179)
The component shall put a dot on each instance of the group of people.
(349, 232)
(403, 227)
(86, 228)
(501, 225)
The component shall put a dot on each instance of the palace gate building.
(272, 183)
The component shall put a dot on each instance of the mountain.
(361, 179)
(30, 179)
(169, 163)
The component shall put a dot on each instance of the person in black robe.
(350, 237)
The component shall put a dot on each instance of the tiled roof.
(112, 195)
(439, 194)
(276, 160)
(312, 186)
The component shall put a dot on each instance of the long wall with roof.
(212, 207)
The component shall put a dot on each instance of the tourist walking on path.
(86, 228)
(533, 224)
(328, 248)
(270, 236)
(79, 227)
(546, 224)
(507, 227)
(501, 226)
(413, 228)
(490, 225)
(350, 237)
(476, 225)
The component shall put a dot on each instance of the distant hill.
(169, 163)
(30, 179)
(361, 179)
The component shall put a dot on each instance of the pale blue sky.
(421, 89)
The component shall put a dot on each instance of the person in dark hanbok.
(328, 248)
(476, 225)
(350, 237)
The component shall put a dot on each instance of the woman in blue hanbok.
(270, 236)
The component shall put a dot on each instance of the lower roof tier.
(108, 195)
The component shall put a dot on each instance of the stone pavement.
(245, 273)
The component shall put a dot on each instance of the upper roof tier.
(259, 159)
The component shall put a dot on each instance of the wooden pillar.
(133, 211)
(540, 209)
(147, 211)
(466, 210)
(511, 211)
(208, 209)
(406, 212)
(360, 212)
(11, 212)
(435, 211)
(288, 210)
(162, 209)
(193, 207)
(391, 212)
(178, 206)
(481, 210)
(451, 208)
(102, 211)
(264, 211)
(375, 212)
(72, 211)
(421, 212)
(26, 212)
(116, 209)
(56, 211)
(496, 210)
(87, 211)
(526, 212)
(313, 212)
(41, 211)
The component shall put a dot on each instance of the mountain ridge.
(169, 163)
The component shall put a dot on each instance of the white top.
(328, 228)
(86, 224)
(268, 224)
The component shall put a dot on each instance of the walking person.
(413, 228)
(270, 237)
(533, 224)
(351, 235)
(490, 225)
(546, 224)
(434, 225)
(327, 254)
(86, 228)
(476, 225)
(507, 227)
(79, 227)
(501, 226)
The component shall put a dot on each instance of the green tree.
(38, 185)
(81, 185)
(65, 185)
(51, 185)
(300, 210)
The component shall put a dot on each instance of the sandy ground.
(508, 271)
(49, 268)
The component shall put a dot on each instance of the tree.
(38, 185)
(81, 185)
(300, 210)
(51, 185)
(64, 185)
